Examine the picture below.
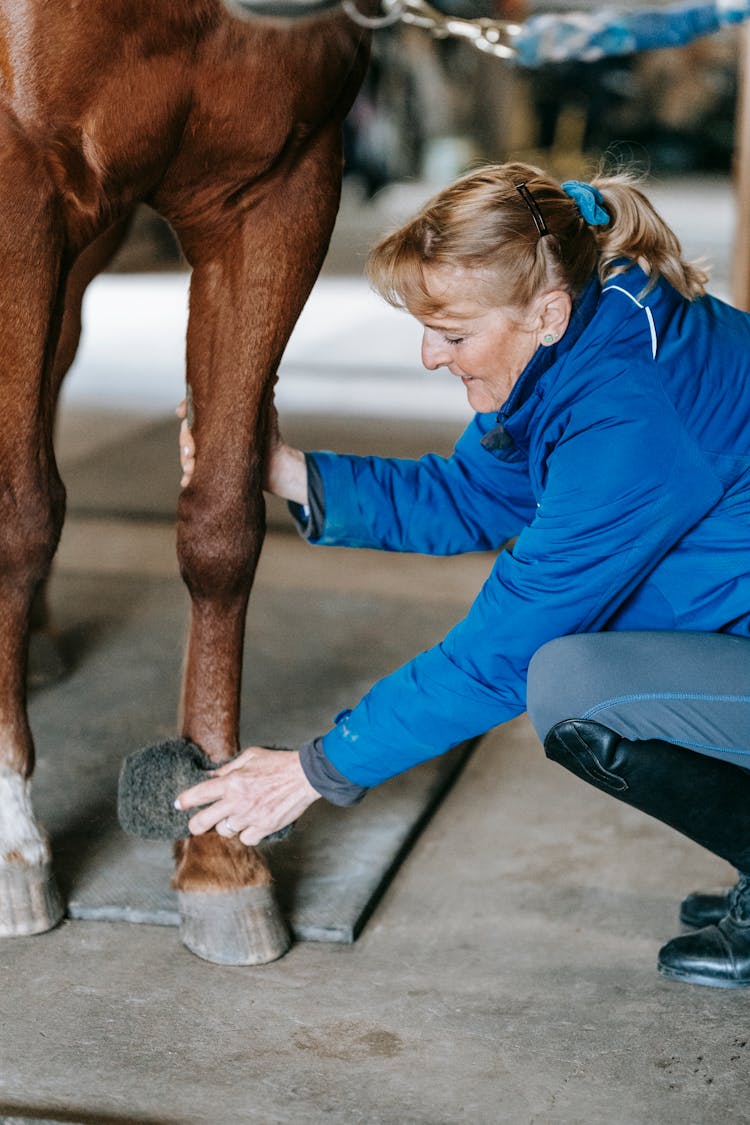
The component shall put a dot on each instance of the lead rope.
(569, 37)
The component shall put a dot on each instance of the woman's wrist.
(287, 474)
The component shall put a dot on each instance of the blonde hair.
(483, 225)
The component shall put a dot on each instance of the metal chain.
(544, 38)
(393, 12)
(493, 37)
(570, 36)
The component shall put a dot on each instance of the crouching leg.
(704, 796)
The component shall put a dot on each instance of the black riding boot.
(706, 799)
(701, 908)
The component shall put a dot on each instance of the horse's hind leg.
(31, 505)
(247, 291)
(46, 665)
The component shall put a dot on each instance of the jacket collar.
(511, 418)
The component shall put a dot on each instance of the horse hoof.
(30, 902)
(236, 927)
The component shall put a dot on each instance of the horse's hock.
(84, 146)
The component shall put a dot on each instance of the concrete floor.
(508, 975)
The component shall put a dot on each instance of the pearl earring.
(548, 339)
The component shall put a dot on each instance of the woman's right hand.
(285, 473)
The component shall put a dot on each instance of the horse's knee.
(31, 524)
(218, 548)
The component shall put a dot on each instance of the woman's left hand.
(187, 445)
(257, 793)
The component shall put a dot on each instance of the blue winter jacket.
(621, 461)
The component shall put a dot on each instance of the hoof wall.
(237, 927)
(30, 902)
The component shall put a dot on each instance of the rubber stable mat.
(307, 656)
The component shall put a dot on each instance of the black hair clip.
(533, 206)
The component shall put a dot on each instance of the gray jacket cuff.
(325, 778)
(310, 518)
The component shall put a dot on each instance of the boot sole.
(696, 978)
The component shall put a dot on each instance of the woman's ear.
(553, 311)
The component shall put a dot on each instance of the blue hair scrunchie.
(589, 201)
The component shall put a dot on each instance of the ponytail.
(636, 231)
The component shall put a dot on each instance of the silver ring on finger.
(227, 827)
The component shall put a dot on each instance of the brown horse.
(230, 129)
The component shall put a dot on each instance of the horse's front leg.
(245, 299)
(32, 504)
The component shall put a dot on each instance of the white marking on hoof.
(29, 900)
(22, 842)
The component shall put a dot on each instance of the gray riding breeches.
(692, 689)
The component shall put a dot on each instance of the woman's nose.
(434, 351)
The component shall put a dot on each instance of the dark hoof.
(238, 927)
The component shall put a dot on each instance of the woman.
(612, 438)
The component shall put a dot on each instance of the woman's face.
(486, 348)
